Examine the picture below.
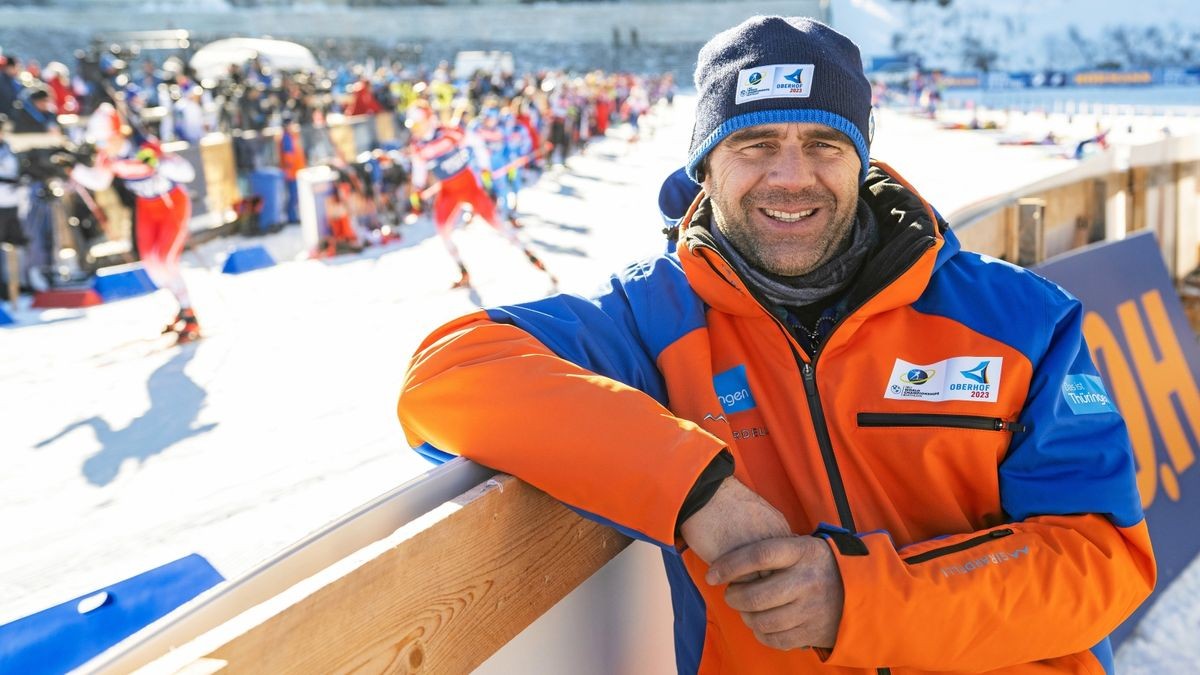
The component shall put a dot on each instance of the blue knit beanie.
(772, 69)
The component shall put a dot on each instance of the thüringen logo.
(755, 78)
(1085, 395)
(917, 376)
(797, 77)
(733, 390)
(978, 373)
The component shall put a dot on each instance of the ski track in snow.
(121, 454)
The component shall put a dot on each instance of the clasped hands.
(787, 588)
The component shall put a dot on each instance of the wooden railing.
(442, 593)
(449, 588)
(1122, 190)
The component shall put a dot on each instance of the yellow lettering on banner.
(1162, 378)
(1109, 358)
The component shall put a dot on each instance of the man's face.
(785, 195)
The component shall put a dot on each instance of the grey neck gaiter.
(820, 284)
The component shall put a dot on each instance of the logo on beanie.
(785, 80)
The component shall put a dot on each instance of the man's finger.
(761, 556)
(778, 589)
(796, 638)
(776, 620)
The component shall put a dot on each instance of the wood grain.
(440, 595)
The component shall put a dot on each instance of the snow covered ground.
(119, 453)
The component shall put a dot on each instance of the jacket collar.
(912, 235)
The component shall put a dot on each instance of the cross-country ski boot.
(175, 324)
(189, 327)
(464, 281)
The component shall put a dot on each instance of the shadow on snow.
(175, 403)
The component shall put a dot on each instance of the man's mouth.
(789, 216)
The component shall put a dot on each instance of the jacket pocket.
(980, 422)
(960, 546)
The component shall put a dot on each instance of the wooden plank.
(13, 266)
(1187, 217)
(1139, 185)
(1031, 245)
(439, 595)
(986, 234)
(374, 520)
(220, 173)
(341, 135)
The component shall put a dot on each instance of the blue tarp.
(62, 638)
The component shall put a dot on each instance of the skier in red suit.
(450, 159)
(163, 211)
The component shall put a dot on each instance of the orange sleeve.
(491, 392)
(1041, 588)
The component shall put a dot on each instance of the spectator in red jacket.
(364, 101)
(58, 78)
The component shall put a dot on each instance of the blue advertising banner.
(1148, 357)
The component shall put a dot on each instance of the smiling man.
(853, 441)
(785, 195)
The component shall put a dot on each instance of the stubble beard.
(771, 253)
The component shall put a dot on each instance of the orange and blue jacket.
(950, 438)
(291, 154)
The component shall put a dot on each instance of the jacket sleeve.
(1073, 561)
(562, 394)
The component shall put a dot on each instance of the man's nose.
(792, 169)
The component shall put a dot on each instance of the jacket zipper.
(940, 420)
(809, 375)
(960, 546)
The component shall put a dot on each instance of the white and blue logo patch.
(733, 390)
(1086, 396)
(784, 80)
(961, 378)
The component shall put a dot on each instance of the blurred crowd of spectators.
(168, 98)
(165, 99)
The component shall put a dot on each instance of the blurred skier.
(163, 210)
(508, 147)
(446, 157)
(520, 149)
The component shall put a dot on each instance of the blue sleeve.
(1077, 457)
(598, 335)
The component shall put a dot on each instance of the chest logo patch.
(733, 390)
(962, 378)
